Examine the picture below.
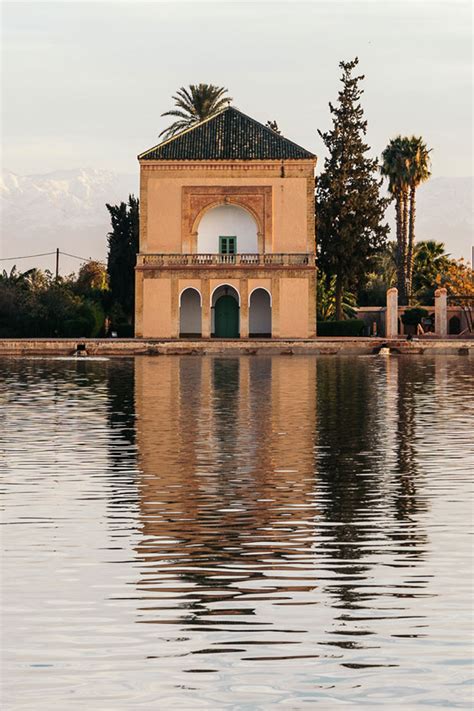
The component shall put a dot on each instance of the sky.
(84, 84)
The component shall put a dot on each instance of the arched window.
(190, 313)
(260, 313)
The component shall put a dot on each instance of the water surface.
(239, 533)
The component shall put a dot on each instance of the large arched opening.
(190, 313)
(225, 312)
(227, 229)
(260, 313)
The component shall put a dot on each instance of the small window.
(228, 245)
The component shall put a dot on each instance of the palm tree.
(395, 168)
(326, 300)
(430, 260)
(419, 171)
(198, 102)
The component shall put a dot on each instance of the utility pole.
(57, 263)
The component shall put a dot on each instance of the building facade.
(227, 234)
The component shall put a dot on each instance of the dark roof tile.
(228, 135)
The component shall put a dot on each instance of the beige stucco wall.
(189, 283)
(259, 283)
(157, 321)
(294, 308)
(175, 195)
(292, 302)
(161, 200)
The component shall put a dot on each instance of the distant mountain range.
(66, 209)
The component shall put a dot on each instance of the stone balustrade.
(208, 260)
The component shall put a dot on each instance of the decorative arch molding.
(263, 288)
(197, 200)
(190, 288)
(229, 286)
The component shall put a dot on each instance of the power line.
(48, 254)
(83, 259)
(27, 256)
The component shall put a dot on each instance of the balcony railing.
(209, 260)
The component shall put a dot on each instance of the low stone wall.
(316, 346)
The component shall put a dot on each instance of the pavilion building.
(227, 234)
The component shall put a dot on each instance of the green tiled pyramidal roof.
(227, 135)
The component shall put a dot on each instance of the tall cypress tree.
(123, 245)
(349, 208)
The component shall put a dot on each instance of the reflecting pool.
(236, 533)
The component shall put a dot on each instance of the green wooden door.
(226, 315)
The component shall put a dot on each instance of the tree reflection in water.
(276, 480)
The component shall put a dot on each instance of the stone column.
(206, 308)
(312, 305)
(391, 314)
(441, 313)
(174, 307)
(244, 308)
(276, 306)
(138, 304)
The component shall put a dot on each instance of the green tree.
(405, 162)
(123, 243)
(326, 300)
(430, 260)
(394, 167)
(350, 209)
(418, 171)
(198, 102)
(92, 277)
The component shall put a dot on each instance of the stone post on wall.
(391, 314)
(441, 313)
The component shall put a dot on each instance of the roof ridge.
(185, 130)
(220, 138)
(267, 128)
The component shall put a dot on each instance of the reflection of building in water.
(225, 451)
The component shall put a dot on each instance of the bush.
(412, 317)
(125, 330)
(79, 327)
(350, 327)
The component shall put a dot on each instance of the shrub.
(350, 327)
(412, 317)
(125, 330)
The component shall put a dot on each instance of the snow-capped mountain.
(66, 209)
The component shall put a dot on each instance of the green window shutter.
(227, 245)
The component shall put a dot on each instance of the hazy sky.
(84, 83)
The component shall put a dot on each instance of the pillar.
(174, 307)
(312, 305)
(206, 308)
(244, 308)
(138, 304)
(391, 314)
(441, 313)
(276, 306)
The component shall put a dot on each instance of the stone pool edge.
(314, 346)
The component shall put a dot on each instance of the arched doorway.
(190, 313)
(227, 229)
(225, 312)
(454, 326)
(260, 313)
